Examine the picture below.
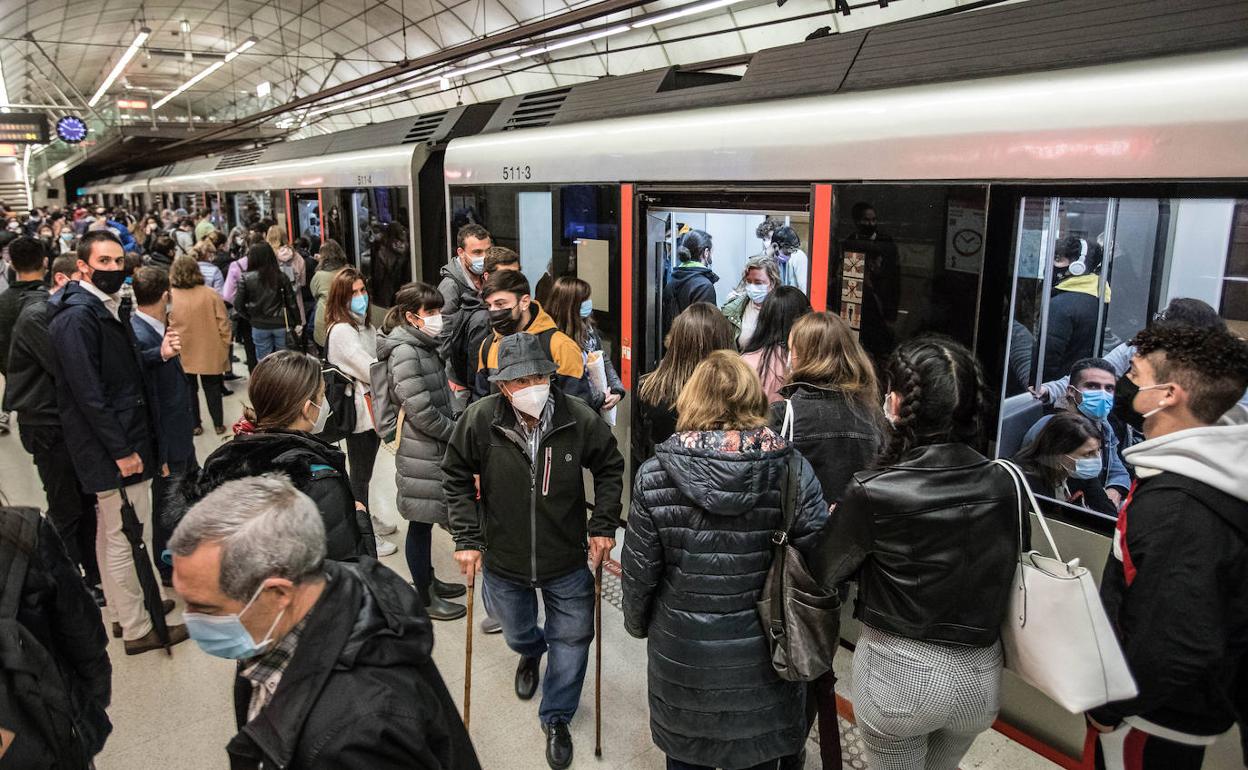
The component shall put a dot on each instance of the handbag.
(340, 396)
(1056, 634)
(800, 620)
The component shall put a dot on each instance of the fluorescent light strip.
(211, 68)
(577, 40)
(120, 66)
(688, 10)
(487, 64)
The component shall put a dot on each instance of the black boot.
(558, 745)
(527, 676)
(447, 590)
(438, 608)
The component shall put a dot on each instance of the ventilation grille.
(537, 110)
(240, 159)
(425, 127)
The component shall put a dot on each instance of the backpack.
(387, 414)
(37, 728)
(459, 342)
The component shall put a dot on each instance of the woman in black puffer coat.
(696, 554)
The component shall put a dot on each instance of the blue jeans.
(268, 341)
(569, 629)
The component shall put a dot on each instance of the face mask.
(225, 636)
(477, 265)
(67, 237)
(1096, 404)
(359, 305)
(503, 321)
(757, 292)
(587, 308)
(1124, 396)
(866, 231)
(322, 416)
(531, 400)
(108, 281)
(1086, 467)
(1151, 412)
(432, 324)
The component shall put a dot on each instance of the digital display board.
(24, 127)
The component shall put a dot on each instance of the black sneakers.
(558, 745)
(527, 677)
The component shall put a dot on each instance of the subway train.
(978, 142)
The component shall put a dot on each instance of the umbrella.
(133, 529)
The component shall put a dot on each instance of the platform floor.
(175, 712)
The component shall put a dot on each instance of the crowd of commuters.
(764, 423)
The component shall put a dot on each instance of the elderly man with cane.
(532, 435)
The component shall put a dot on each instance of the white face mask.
(531, 400)
(322, 415)
(431, 324)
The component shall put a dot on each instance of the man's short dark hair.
(860, 210)
(471, 231)
(1190, 311)
(500, 255)
(92, 237)
(150, 284)
(26, 254)
(1084, 364)
(512, 281)
(786, 239)
(766, 228)
(1210, 364)
(203, 213)
(64, 265)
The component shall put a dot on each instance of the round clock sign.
(71, 129)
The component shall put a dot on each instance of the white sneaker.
(385, 547)
(381, 526)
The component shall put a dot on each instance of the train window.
(1089, 274)
(908, 261)
(372, 226)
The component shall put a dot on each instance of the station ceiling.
(302, 47)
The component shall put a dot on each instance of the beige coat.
(199, 316)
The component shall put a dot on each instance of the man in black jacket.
(30, 390)
(1174, 586)
(334, 658)
(109, 418)
(29, 263)
(692, 280)
(529, 433)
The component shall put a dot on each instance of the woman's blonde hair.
(764, 263)
(724, 393)
(276, 237)
(826, 355)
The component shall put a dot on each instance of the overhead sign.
(132, 104)
(24, 127)
(71, 129)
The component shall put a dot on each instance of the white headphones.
(1080, 266)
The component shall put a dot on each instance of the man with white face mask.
(532, 435)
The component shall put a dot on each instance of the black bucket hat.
(521, 355)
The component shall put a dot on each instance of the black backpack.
(456, 349)
(37, 727)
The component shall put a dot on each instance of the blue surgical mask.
(1096, 404)
(477, 265)
(225, 636)
(1087, 467)
(587, 307)
(359, 305)
(757, 292)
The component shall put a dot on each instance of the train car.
(378, 190)
(930, 168)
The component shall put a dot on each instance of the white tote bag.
(1056, 635)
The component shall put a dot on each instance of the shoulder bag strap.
(780, 539)
(1027, 500)
(18, 529)
(787, 427)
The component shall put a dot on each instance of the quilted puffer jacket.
(696, 555)
(418, 384)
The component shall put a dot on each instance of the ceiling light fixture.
(211, 68)
(120, 66)
(576, 40)
(687, 10)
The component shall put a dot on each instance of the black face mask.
(503, 321)
(1124, 395)
(108, 281)
(866, 231)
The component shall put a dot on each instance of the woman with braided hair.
(931, 535)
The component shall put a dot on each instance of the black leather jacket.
(932, 540)
(264, 306)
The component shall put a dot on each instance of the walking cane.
(468, 657)
(598, 659)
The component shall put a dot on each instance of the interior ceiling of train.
(302, 67)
